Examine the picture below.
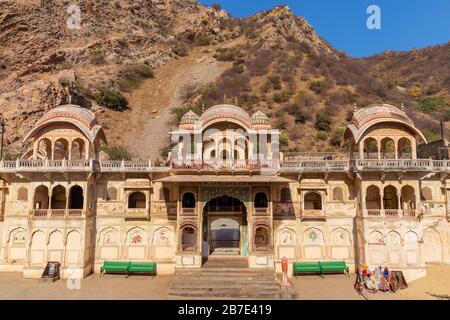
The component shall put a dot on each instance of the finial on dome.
(235, 101)
(402, 107)
(224, 98)
(203, 107)
(355, 108)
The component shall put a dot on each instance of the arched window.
(370, 148)
(45, 148)
(387, 148)
(373, 198)
(390, 198)
(112, 194)
(261, 200)
(137, 200)
(76, 198)
(408, 198)
(188, 238)
(61, 149)
(404, 148)
(286, 195)
(261, 238)
(77, 151)
(427, 194)
(41, 198)
(338, 194)
(188, 200)
(164, 194)
(59, 198)
(22, 194)
(313, 201)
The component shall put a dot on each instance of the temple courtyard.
(436, 285)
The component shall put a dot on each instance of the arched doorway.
(224, 227)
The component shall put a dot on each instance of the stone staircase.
(227, 278)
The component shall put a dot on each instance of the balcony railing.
(57, 213)
(315, 165)
(292, 164)
(390, 213)
(214, 165)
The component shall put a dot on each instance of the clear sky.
(405, 24)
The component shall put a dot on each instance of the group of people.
(375, 279)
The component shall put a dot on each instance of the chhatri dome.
(365, 118)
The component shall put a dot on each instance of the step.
(215, 286)
(229, 293)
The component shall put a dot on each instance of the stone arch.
(59, 197)
(37, 247)
(163, 236)
(388, 148)
(340, 236)
(73, 248)
(61, 149)
(431, 246)
(390, 197)
(370, 148)
(188, 200)
(78, 149)
(76, 197)
(109, 236)
(408, 198)
(188, 237)
(137, 200)
(373, 198)
(261, 200)
(55, 246)
(44, 147)
(17, 240)
(411, 248)
(404, 148)
(393, 247)
(261, 237)
(313, 201)
(376, 237)
(41, 197)
(22, 194)
(313, 236)
(287, 236)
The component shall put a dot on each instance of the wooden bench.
(115, 267)
(143, 267)
(334, 266)
(321, 267)
(306, 267)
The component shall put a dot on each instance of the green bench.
(306, 267)
(127, 267)
(115, 267)
(334, 266)
(320, 267)
(143, 267)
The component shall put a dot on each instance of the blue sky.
(404, 24)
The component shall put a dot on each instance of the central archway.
(224, 227)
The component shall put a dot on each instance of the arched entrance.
(224, 227)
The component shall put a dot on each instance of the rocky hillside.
(128, 56)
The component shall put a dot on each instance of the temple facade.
(225, 190)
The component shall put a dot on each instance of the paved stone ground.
(12, 286)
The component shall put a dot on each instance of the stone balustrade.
(391, 213)
(64, 213)
(290, 165)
